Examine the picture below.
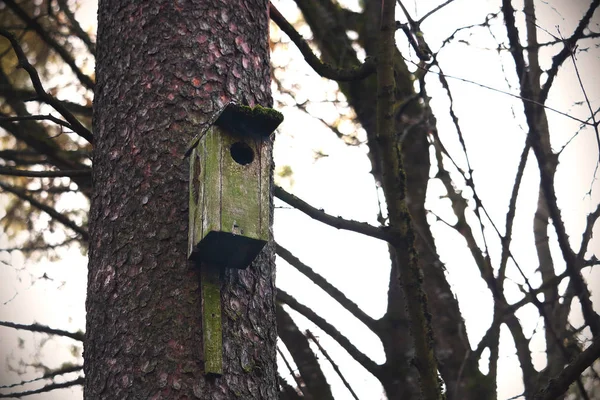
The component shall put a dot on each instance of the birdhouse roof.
(243, 120)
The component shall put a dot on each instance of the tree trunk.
(163, 67)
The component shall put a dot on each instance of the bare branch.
(45, 174)
(587, 233)
(333, 364)
(291, 370)
(329, 329)
(48, 375)
(323, 69)
(559, 385)
(38, 118)
(336, 222)
(309, 370)
(43, 34)
(436, 9)
(528, 100)
(79, 32)
(33, 157)
(27, 249)
(587, 100)
(79, 336)
(286, 391)
(30, 95)
(510, 215)
(327, 287)
(45, 389)
(547, 185)
(569, 45)
(76, 126)
(513, 38)
(590, 35)
(48, 210)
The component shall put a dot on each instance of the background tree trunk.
(162, 68)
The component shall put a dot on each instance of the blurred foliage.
(24, 226)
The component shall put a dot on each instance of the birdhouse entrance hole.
(241, 153)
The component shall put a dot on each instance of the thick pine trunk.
(162, 68)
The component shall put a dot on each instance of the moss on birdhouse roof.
(244, 120)
(258, 120)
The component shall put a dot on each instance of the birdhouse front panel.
(229, 198)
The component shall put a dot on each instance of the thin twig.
(45, 174)
(436, 9)
(76, 126)
(587, 101)
(567, 49)
(333, 364)
(47, 117)
(79, 32)
(329, 329)
(503, 92)
(292, 373)
(48, 210)
(43, 34)
(79, 336)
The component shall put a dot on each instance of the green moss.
(211, 320)
(265, 112)
(258, 120)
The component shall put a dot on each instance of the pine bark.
(163, 67)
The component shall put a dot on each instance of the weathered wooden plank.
(212, 330)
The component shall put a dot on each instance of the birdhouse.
(230, 167)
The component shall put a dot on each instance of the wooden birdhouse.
(230, 167)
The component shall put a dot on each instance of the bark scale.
(163, 68)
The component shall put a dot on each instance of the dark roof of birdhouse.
(244, 120)
(258, 120)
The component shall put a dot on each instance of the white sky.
(342, 185)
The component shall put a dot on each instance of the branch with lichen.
(410, 273)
